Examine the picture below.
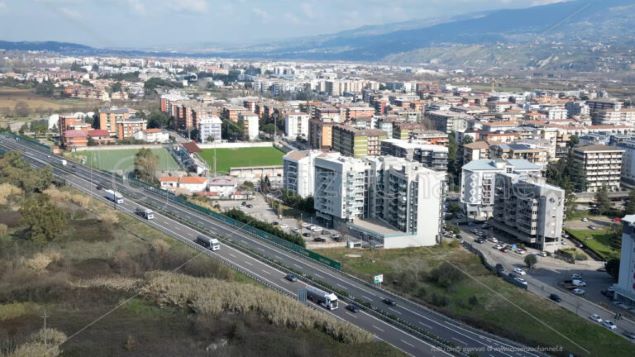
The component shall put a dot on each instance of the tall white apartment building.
(625, 287)
(387, 201)
(210, 127)
(478, 179)
(529, 210)
(408, 197)
(602, 166)
(299, 172)
(251, 126)
(296, 125)
(340, 188)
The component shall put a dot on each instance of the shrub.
(445, 275)
(267, 227)
(43, 343)
(211, 297)
(4, 230)
(8, 190)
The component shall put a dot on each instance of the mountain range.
(583, 35)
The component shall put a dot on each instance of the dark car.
(291, 277)
(628, 334)
(319, 240)
(352, 308)
(555, 297)
(306, 234)
(243, 203)
(99, 187)
(389, 302)
(250, 206)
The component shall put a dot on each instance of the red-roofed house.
(100, 136)
(188, 184)
(74, 138)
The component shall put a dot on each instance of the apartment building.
(406, 197)
(296, 125)
(530, 210)
(535, 154)
(340, 188)
(251, 126)
(321, 134)
(299, 172)
(478, 150)
(602, 166)
(109, 117)
(448, 121)
(628, 162)
(625, 287)
(434, 157)
(357, 143)
(126, 128)
(210, 129)
(477, 183)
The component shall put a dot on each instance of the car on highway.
(352, 308)
(555, 297)
(596, 318)
(389, 302)
(519, 271)
(98, 187)
(578, 291)
(291, 277)
(630, 335)
(609, 325)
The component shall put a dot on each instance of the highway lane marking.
(351, 314)
(367, 298)
(491, 342)
(425, 325)
(266, 272)
(232, 255)
(377, 328)
(340, 285)
(248, 263)
(407, 343)
(297, 266)
(318, 275)
(459, 341)
(395, 311)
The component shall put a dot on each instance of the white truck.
(114, 196)
(145, 213)
(210, 243)
(63, 162)
(321, 297)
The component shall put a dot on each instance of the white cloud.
(193, 6)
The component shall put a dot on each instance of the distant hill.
(581, 35)
(49, 46)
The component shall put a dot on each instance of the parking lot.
(313, 234)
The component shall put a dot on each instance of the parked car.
(493, 240)
(609, 294)
(275, 223)
(578, 291)
(250, 205)
(578, 282)
(584, 219)
(306, 234)
(243, 203)
(596, 318)
(519, 271)
(352, 308)
(555, 297)
(543, 254)
(319, 240)
(291, 277)
(389, 302)
(498, 246)
(480, 241)
(576, 276)
(592, 227)
(609, 325)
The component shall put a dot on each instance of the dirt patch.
(10, 218)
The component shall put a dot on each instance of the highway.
(265, 261)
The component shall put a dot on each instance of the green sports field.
(123, 160)
(242, 157)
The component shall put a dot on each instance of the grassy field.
(427, 275)
(600, 241)
(243, 157)
(114, 160)
(9, 97)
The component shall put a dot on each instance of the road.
(544, 280)
(413, 320)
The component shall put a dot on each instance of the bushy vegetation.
(211, 296)
(44, 343)
(267, 227)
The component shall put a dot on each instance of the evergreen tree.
(630, 203)
(602, 200)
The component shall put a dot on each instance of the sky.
(166, 24)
